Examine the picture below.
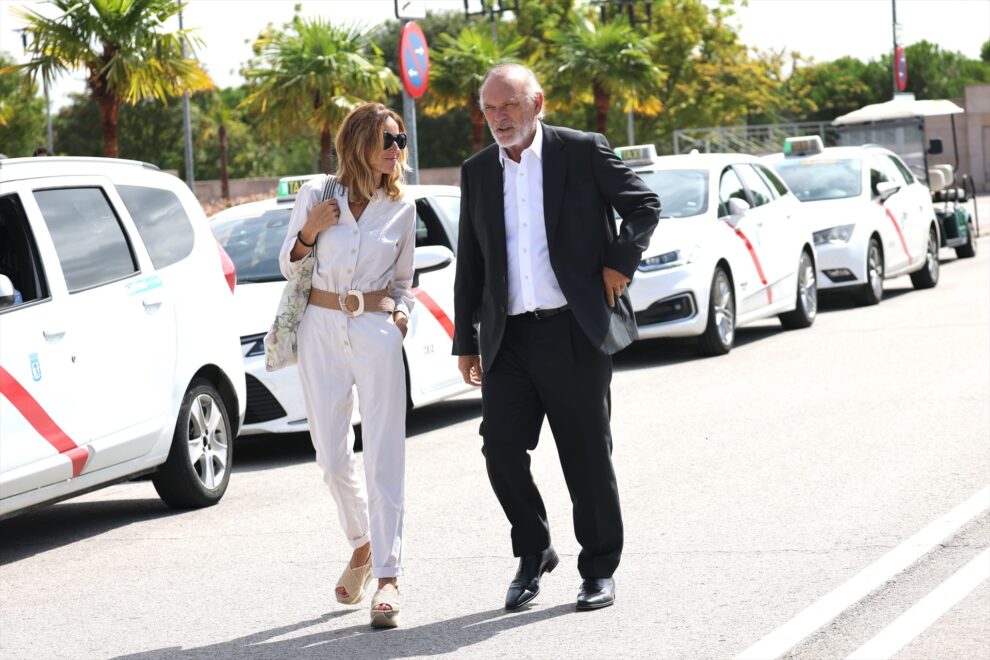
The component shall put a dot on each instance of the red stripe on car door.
(897, 228)
(438, 313)
(756, 262)
(36, 416)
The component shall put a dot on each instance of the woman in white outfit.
(351, 334)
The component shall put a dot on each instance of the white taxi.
(118, 356)
(871, 217)
(730, 248)
(252, 235)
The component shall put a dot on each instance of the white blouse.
(370, 255)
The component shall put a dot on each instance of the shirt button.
(349, 271)
(353, 251)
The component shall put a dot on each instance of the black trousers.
(547, 367)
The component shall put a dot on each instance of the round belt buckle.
(352, 303)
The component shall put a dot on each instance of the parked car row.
(745, 238)
(132, 325)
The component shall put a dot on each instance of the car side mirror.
(935, 146)
(6, 292)
(737, 209)
(429, 258)
(886, 188)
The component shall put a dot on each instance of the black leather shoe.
(596, 593)
(526, 585)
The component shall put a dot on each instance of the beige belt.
(352, 303)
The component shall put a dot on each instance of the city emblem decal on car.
(35, 367)
(144, 285)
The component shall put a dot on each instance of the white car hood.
(826, 213)
(680, 233)
(255, 304)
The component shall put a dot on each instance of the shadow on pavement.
(62, 524)
(649, 353)
(361, 641)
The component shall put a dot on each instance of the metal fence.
(756, 139)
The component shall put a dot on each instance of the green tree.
(22, 115)
(829, 89)
(934, 73)
(457, 69)
(121, 45)
(588, 62)
(149, 131)
(309, 75)
(985, 52)
(711, 77)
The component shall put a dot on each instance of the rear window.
(814, 180)
(162, 222)
(683, 193)
(253, 243)
(91, 244)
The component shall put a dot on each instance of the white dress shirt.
(532, 283)
(370, 255)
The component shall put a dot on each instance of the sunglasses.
(399, 139)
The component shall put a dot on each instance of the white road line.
(866, 581)
(926, 611)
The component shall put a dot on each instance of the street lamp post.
(629, 6)
(50, 141)
(187, 125)
(893, 59)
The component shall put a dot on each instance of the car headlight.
(840, 234)
(252, 345)
(671, 259)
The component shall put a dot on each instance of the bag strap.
(329, 187)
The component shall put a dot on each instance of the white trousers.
(335, 353)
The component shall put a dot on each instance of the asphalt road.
(809, 492)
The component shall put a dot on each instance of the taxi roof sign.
(288, 186)
(637, 154)
(805, 145)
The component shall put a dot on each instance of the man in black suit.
(543, 269)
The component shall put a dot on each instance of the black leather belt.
(541, 314)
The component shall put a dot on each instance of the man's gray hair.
(517, 71)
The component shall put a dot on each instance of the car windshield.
(814, 180)
(253, 243)
(683, 193)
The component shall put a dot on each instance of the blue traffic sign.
(414, 60)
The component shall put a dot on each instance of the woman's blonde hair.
(360, 141)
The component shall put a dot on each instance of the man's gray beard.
(518, 138)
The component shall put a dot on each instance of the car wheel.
(720, 332)
(927, 277)
(871, 293)
(197, 470)
(806, 307)
(967, 250)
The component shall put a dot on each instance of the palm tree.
(458, 66)
(122, 46)
(310, 75)
(589, 62)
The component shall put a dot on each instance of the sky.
(822, 29)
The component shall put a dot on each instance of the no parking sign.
(414, 60)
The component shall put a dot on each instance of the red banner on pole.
(900, 68)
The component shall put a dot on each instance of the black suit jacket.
(583, 180)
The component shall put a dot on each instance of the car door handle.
(53, 335)
(151, 306)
